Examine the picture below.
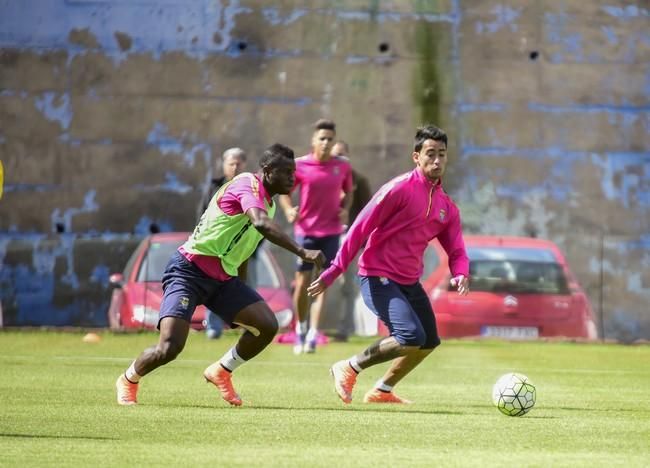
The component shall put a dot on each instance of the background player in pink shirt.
(396, 227)
(319, 220)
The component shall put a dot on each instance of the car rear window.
(516, 270)
(155, 260)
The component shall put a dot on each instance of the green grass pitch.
(57, 407)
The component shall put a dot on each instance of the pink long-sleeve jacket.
(396, 227)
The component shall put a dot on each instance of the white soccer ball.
(514, 394)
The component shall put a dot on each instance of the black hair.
(274, 153)
(325, 124)
(428, 132)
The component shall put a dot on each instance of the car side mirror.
(116, 280)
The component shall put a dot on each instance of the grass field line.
(303, 363)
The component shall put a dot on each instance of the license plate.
(511, 333)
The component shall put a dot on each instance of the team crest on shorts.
(184, 302)
(442, 215)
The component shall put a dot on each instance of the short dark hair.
(325, 124)
(274, 153)
(428, 132)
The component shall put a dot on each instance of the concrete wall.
(110, 113)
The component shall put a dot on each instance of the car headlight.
(284, 317)
(145, 315)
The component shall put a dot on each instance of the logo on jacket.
(442, 215)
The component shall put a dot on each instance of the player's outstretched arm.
(274, 233)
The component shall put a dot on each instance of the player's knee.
(411, 337)
(269, 326)
(168, 351)
(265, 325)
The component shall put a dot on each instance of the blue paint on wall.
(172, 184)
(65, 217)
(625, 13)
(38, 188)
(618, 183)
(610, 34)
(55, 107)
(386, 16)
(588, 108)
(504, 17)
(144, 224)
(466, 107)
(100, 275)
(160, 138)
(274, 18)
(558, 31)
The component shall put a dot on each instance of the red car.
(520, 288)
(137, 293)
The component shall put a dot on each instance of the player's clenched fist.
(314, 256)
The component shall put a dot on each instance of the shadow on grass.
(364, 409)
(46, 436)
(599, 410)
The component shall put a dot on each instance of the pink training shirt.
(241, 195)
(396, 227)
(321, 184)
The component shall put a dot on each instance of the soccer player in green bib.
(209, 268)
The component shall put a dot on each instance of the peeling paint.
(625, 13)
(272, 15)
(65, 217)
(145, 223)
(100, 275)
(55, 107)
(171, 184)
(160, 138)
(504, 16)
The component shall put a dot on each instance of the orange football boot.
(220, 378)
(344, 379)
(127, 392)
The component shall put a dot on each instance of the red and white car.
(137, 293)
(520, 288)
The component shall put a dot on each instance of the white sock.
(354, 364)
(312, 334)
(301, 328)
(131, 375)
(380, 385)
(231, 360)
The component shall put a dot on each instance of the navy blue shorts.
(329, 245)
(185, 286)
(404, 309)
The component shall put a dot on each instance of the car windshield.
(515, 270)
(158, 255)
